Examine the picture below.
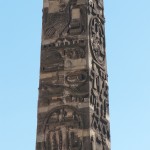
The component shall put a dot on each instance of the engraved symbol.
(97, 41)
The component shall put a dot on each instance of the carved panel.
(73, 87)
(67, 18)
(51, 61)
(55, 23)
(98, 78)
(62, 129)
(73, 103)
(75, 52)
(97, 40)
(76, 78)
(77, 83)
(77, 23)
(53, 55)
(51, 90)
(96, 7)
(99, 103)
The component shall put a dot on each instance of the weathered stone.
(73, 106)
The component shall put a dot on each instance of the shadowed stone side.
(73, 107)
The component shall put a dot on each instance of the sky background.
(128, 60)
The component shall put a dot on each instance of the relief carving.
(53, 55)
(65, 84)
(76, 78)
(60, 88)
(99, 3)
(61, 129)
(96, 7)
(68, 18)
(97, 40)
(77, 83)
(77, 23)
(51, 61)
(99, 102)
(55, 21)
(51, 90)
(101, 127)
(74, 52)
(66, 43)
(77, 98)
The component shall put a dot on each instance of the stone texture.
(73, 107)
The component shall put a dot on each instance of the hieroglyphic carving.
(53, 55)
(98, 78)
(77, 83)
(55, 23)
(74, 52)
(77, 78)
(73, 87)
(96, 7)
(97, 39)
(99, 102)
(73, 92)
(62, 129)
(51, 90)
(78, 19)
(68, 18)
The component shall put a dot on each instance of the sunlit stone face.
(73, 101)
(76, 13)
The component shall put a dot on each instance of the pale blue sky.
(128, 59)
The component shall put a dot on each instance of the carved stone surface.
(97, 41)
(68, 18)
(73, 106)
(62, 129)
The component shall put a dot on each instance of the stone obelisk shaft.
(73, 107)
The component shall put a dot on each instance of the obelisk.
(73, 106)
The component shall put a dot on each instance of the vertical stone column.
(99, 105)
(73, 109)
